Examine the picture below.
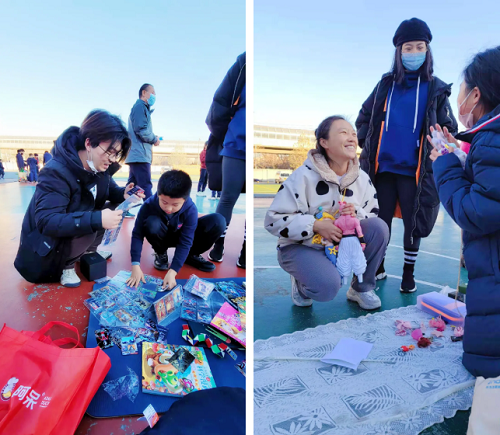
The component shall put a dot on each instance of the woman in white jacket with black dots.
(330, 173)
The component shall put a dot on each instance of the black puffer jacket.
(369, 123)
(62, 208)
(219, 116)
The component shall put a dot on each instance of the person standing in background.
(202, 183)
(37, 165)
(140, 130)
(21, 165)
(392, 127)
(2, 170)
(33, 175)
(46, 157)
(226, 120)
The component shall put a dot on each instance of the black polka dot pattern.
(284, 232)
(271, 224)
(322, 188)
(281, 188)
(366, 203)
(374, 210)
(297, 195)
(285, 218)
(333, 205)
(375, 196)
(308, 167)
(348, 193)
(304, 233)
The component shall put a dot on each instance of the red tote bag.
(45, 390)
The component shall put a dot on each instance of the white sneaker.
(366, 300)
(297, 298)
(381, 276)
(69, 278)
(212, 198)
(105, 254)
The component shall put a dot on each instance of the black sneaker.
(380, 273)
(200, 263)
(217, 253)
(242, 258)
(408, 283)
(161, 261)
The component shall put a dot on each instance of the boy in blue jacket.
(170, 219)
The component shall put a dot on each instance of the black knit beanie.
(412, 30)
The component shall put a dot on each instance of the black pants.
(233, 180)
(140, 175)
(209, 229)
(392, 188)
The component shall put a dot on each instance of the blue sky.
(61, 59)
(318, 58)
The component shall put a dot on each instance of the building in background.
(169, 154)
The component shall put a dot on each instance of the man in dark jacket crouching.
(67, 215)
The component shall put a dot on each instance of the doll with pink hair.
(350, 254)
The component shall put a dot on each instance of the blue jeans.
(202, 184)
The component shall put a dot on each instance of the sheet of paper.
(348, 353)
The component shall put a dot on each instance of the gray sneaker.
(297, 298)
(366, 300)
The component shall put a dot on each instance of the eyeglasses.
(112, 155)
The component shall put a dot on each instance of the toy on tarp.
(218, 349)
(127, 385)
(438, 141)
(331, 248)
(227, 320)
(242, 368)
(350, 256)
(199, 287)
(128, 346)
(232, 292)
(168, 308)
(197, 309)
(451, 311)
(161, 377)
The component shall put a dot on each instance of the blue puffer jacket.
(140, 130)
(472, 198)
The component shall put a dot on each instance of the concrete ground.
(274, 314)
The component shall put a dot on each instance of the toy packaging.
(110, 236)
(227, 320)
(168, 308)
(231, 291)
(103, 338)
(199, 310)
(451, 311)
(199, 287)
(128, 346)
(160, 376)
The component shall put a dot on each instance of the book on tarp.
(227, 320)
(162, 377)
(348, 353)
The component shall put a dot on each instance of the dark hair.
(101, 126)
(143, 88)
(323, 131)
(398, 70)
(484, 73)
(175, 184)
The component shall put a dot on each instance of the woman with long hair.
(392, 127)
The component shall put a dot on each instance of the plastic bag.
(110, 236)
(127, 385)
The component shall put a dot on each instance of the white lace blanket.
(401, 393)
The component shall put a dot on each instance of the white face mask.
(90, 162)
(467, 119)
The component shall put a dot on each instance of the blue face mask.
(413, 61)
(151, 99)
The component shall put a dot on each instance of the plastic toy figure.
(350, 252)
(331, 248)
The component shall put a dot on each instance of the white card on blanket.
(348, 353)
